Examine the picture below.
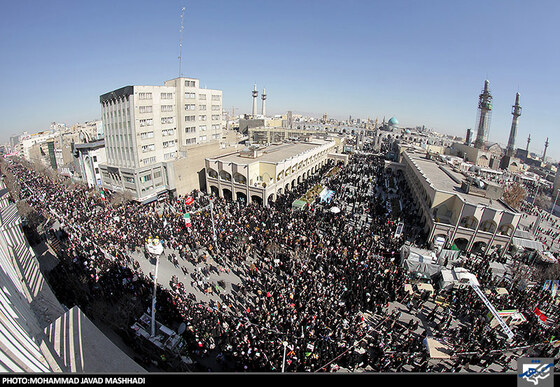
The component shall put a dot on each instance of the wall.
(184, 174)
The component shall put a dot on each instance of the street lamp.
(155, 248)
(285, 344)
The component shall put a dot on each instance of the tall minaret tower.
(528, 141)
(263, 96)
(545, 147)
(254, 93)
(484, 109)
(516, 112)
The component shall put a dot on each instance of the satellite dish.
(182, 328)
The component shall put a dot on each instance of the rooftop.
(273, 153)
(443, 178)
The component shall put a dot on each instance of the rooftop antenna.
(181, 42)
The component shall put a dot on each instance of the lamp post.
(155, 248)
(285, 344)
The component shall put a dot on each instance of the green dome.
(393, 121)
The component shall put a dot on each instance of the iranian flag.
(540, 314)
(102, 193)
(187, 218)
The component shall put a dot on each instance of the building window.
(202, 97)
(190, 106)
(190, 118)
(168, 132)
(146, 135)
(190, 83)
(190, 141)
(146, 122)
(202, 127)
(202, 118)
(215, 127)
(215, 97)
(148, 148)
(216, 107)
(169, 156)
(144, 95)
(166, 120)
(167, 144)
(201, 107)
(215, 117)
(190, 129)
(149, 160)
(202, 138)
(144, 109)
(166, 95)
(166, 108)
(190, 95)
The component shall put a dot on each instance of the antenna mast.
(181, 42)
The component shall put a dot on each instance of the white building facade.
(148, 127)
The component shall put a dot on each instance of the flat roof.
(450, 181)
(272, 153)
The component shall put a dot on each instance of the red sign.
(540, 314)
(189, 200)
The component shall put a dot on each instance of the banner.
(189, 200)
(187, 218)
(399, 230)
(554, 288)
(540, 314)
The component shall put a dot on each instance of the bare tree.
(514, 195)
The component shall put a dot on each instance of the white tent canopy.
(420, 262)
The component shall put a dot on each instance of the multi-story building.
(260, 174)
(148, 128)
(39, 334)
(453, 207)
(87, 158)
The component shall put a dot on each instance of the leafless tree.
(514, 195)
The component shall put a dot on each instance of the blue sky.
(423, 62)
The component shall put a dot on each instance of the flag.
(102, 193)
(540, 314)
(187, 218)
(189, 200)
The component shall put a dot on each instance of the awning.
(528, 244)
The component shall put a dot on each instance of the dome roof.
(393, 121)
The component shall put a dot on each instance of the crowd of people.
(314, 287)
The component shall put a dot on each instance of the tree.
(514, 195)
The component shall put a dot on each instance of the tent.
(546, 256)
(326, 195)
(456, 277)
(299, 205)
(524, 239)
(452, 255)
(422, 263)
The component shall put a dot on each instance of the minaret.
(516, 112)
(528, 141)
(263, 96)
(254, 93)
(484, 109)
(545, 146)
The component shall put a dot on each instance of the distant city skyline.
(422, 62)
